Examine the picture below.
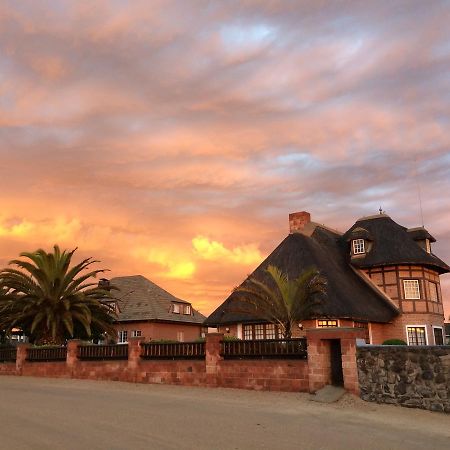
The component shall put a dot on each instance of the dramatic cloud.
(172, 138)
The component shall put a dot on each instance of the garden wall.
(288, 374)
(415, 377)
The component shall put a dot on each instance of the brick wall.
(158, 330)
(270, 374)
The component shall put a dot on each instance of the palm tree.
(283, 301)
(51, 301)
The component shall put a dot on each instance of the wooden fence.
(102, 352)
(47, 354)
(176, 350)
(265, 348)
(8, 354)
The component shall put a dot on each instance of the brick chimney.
(298, 220)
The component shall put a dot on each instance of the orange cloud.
(216, 251)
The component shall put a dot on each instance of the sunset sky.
(173, 138)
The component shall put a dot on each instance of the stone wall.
(415, 377)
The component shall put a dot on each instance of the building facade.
(381, 277)
(146, 310)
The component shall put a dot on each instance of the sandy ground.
(73, 414)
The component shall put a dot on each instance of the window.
(364, 326)
(358, 246)
(438, 336)
(176, 308)
(411, 288)
(187, 309)
(123, 337)
(180, 336)
(427, 245)
(259, 331)
(417, 335)
(327, 323)
(248, 332)
(434, 292)
(270, 331)
(136, 333)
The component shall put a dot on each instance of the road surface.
(37, 413)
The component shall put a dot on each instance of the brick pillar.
(21, 357)
(349, 365)
(134, 357)
(319, 360)
(72, 356)
(212, 350)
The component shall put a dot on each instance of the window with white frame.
(438, 333)
(358, 246)
(434, 292)
(136, 333)
(412, 290)
(123, 337)
(417, 335)
(187, 309)
(180, 336)
(176, 308)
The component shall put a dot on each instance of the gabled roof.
(393, 244)
(141, 299)
(349, 295)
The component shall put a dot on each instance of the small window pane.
(136, 333)
(176, 308)
(358, 246)
(412, 291)
(187, 309)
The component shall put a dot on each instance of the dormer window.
(358, 246)
(187, 309)
(427, 245)
(176, 308)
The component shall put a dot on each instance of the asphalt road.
(71, 414)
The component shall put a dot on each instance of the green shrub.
(394, 342)
(229, 338)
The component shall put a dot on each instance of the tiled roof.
(141, 299)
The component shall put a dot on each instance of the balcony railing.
(46, 354)
(8, 354)
(101, 352)
(176, 350)
(265, 348)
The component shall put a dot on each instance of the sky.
(173, 138)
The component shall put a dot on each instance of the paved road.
(72, 414)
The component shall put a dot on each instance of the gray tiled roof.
(141, 299)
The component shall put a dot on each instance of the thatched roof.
(349, 294)
(393, 244)
(141, 299)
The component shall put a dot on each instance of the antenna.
(419, 191)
